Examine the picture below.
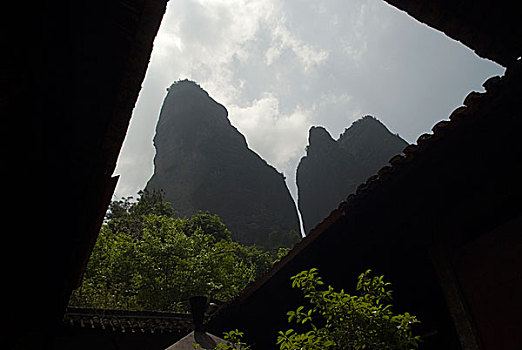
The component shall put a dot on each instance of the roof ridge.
(123, 312)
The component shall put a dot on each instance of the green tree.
(146, 259)
(108, 281)
(209, 224)
(126, 215)
(337, 320)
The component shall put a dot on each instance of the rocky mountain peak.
(319, 134)
(331, 169)
(203, 163)
(319, 139)
(364, 130)
(186, 86)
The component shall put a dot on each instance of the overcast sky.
(280, 67)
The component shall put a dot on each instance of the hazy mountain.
(331, 169)
(203, 163)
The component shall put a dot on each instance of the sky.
(280, 67)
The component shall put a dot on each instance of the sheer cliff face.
(203, 163)
(331, 169)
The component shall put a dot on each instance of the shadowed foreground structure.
(85, 328)
(444, 221)
(72, 72)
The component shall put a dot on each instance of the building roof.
(126, 321)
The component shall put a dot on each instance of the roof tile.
(128, 321)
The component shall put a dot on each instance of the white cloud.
(276, 137)
(202, 39)
(334, 99)
(283, 38)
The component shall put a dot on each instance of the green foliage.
(145, 259)
(337, 320)
(108, 280)
(126, 215)
(208, 224)
(280, 254)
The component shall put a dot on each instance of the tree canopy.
(144, 259)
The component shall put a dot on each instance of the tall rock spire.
(203, 163)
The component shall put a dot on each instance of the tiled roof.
(460, 118)
(124, 321)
